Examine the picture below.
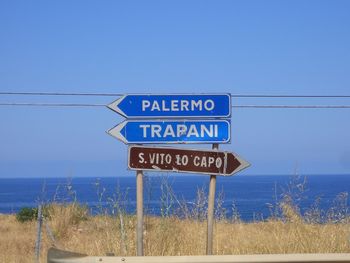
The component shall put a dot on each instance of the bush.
(27, 214)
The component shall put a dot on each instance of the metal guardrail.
(60, 256)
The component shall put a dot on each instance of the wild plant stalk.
(220, 210)
(235, 218)
(166, 198)
(118, 203)
(100, 191)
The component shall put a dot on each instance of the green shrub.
(27, 214)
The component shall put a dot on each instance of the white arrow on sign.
(114, 106)
(115, 132)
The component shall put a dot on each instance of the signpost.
(173, 106)
(172, 131)
(176, 119)
(211, 206)
(185, 160)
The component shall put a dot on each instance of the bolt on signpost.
(174, 119)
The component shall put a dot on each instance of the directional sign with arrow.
(173, 106)
(185, 160)
(173, 131)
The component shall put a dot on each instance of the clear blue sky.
(241, 47)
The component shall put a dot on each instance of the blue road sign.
(173, 131)
(173, 106)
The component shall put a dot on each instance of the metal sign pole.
(211, 205)
(139, 208)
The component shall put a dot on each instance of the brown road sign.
(184, 160)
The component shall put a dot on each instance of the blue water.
(250, 194)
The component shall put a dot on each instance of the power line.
(60, 94)
(234, 106)
(119, 94)
(293, 106)
(53, 104)
(288, 96)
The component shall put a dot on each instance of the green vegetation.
(27, 214)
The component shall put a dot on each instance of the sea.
(249, 198)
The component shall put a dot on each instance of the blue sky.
(240, 47)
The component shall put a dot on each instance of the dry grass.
(169, 236)
(17, 240)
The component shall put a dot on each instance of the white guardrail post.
(60, 256)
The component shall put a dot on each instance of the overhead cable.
(59, 94)
(52, 104)
(233, 106)
(293, 106)
(119, 95)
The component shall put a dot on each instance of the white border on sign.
(114, 106)
(244, 163)
(115, 131)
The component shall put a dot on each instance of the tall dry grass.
(99, 235)
(181, 229)
(17, 240)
